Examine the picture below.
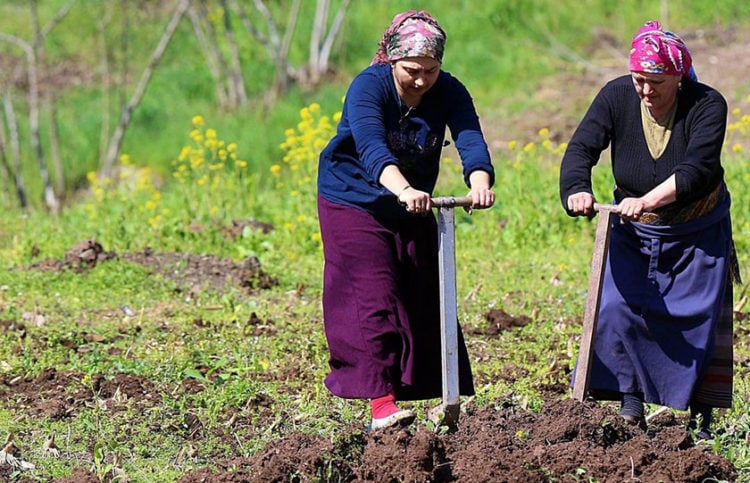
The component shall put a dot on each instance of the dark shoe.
(400, 418)
(701, 417)
(631, 410)
(631, 407)
(632, 420)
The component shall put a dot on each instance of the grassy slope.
(524, 256)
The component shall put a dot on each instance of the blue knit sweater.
(377, 129)
(693, 153)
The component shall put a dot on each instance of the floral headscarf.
(656, 51)
(411, 34)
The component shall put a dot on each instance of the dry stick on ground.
(115, 143)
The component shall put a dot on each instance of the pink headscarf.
(411, 34)
(658, 52)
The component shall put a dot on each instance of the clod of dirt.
(499, 321)
(80, 475)
(239, 226)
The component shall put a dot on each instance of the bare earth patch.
(567, 441)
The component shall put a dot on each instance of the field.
(167, 325)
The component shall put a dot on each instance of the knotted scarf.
(656, 51)
(411, 34)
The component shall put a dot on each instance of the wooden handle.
(606, 208)
(451, 201)
(593, 300)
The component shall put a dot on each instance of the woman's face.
(415, 75)
(658, 91)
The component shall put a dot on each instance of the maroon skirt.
(381, 305)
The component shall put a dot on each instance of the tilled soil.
(567, 440)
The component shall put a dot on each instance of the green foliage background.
(525, 256)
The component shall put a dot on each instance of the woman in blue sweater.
(375, 179)
(665, 323)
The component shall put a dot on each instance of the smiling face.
(657, 91)
(414, 76)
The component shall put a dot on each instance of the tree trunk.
(333, 32)
(54, 144)
(33, 97)
(322, 38)
(115, 143)
(6, 173)
(319, 25)
(15, 149)
(106, 79)
(236, 80)
(211, 53)
(35, 65)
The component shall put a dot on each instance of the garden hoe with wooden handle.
(446, 414)
(591, 315)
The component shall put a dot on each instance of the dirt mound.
(567, 441)
(192, 273)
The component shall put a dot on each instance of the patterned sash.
(674, 214)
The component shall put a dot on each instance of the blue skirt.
(665, 320)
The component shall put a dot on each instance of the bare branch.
(57, 18)
(275, 40)
(116, 142)
(5, 169)
(291, 24)
(257, 34)
(338, 21)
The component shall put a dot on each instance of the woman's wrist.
(403, 190)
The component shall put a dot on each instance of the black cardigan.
(693, 153)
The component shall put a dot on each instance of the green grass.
(524, 256)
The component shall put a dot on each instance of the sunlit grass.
(524, 256)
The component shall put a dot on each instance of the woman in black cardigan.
(665, 323)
